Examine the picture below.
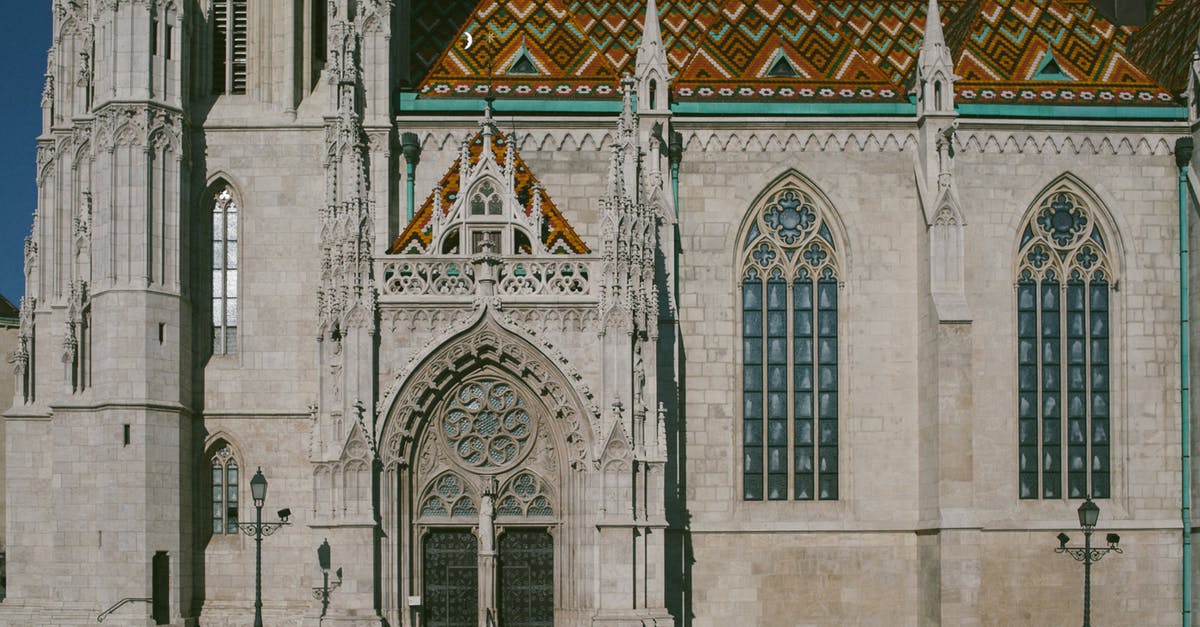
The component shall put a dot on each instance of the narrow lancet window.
(1063, 283)
(224, 482)
(789, 352)
(224, 273)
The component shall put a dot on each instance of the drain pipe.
(1183, 156)
(412, 156)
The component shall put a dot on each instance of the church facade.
(552, 312)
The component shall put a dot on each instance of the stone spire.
(651, 70)
(935, 67)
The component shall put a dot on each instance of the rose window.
(487, 426)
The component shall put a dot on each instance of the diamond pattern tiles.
(839, 50)
(557, 232)
(565, 59)
(1008, 40)
(844, 50)
(1162, 46)
(432, 25)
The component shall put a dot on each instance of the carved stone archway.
(442, 472)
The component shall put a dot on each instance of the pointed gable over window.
(1050, 70)
(523, 64)
(488, 199)
(781, 68)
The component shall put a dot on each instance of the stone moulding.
(1061, 143)
(987, 141)
(486, 341)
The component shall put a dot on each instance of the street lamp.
(258, 529)
(322, 593)
(1089, 513)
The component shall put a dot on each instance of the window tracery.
(790, 353)
(448, 497)
(487, 426)
(525, 494)
(224, 484)
(1064, 277)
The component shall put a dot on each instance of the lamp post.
(1089, 513)
(258, 529)
(322, 593)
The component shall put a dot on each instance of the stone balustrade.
(432, 279)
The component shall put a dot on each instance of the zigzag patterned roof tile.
(846, 50)
(1009, 39)
(1158, 46)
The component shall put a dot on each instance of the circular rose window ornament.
(487, 426)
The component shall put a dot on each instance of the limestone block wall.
(1138, 191)
(279, 176)
(873, 196)
(225, 570)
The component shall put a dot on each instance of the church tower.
(103, 368)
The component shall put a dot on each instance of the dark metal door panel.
(526, 578)
(451, 579)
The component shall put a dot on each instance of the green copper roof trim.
(411, 103)
(793, 108)
(1089, 112)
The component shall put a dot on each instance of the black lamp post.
(258, 529)
(1089, 513)
(322, 593)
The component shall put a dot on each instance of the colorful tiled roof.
(432, 25)
(1158, 46)
(1007, 51)
(557, 233)
(1008, 43)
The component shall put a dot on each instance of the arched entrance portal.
(487, 514)
(485, 506)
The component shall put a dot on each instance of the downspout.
(412, 156)
(1183, 155)
(674, 156)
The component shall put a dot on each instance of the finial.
(933, 26)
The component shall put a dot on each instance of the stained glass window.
(224, 273)
(789, 353)
(224, 483)
(1063, 280)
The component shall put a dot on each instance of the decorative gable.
(488, 201)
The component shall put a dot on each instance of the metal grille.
(526, 578)
(451, 583)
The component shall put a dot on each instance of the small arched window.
(486, 200)
(1064, 278)
(224, 272)
(789, 352)
(224, 484)
(229, 20)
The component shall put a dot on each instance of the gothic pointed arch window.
(224, 271)
(789, 290)
(229, 46)
(1064, 280)
(223, 482)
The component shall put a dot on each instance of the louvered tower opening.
(229, 22)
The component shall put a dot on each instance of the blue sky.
(23, 47)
